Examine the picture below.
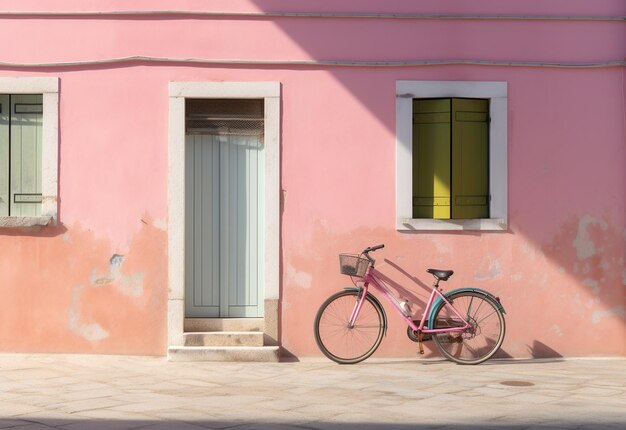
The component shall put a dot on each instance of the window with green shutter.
(21, 117)
(451, 158)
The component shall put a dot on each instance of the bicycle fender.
(496, 300)
(358, 289)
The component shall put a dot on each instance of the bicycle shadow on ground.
(541, 350)
(428, 361)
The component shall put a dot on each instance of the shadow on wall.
(582, 241)
(536, 350)
(39, 231)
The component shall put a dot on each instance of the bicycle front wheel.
(482, 340)
(344, 344)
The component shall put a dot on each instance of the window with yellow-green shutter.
(451, 158)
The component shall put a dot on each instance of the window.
(20, 154)
(28, 151)
(451, 158)
(451, 155)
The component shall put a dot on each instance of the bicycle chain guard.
(413, 335)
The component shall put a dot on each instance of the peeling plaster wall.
(97, 282)
(54, 299)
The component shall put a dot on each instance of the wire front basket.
(353, 265)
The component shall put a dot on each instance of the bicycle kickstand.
(419, 342)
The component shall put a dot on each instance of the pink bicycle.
(467, 324)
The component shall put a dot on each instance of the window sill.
(24, 221)
(414, 224)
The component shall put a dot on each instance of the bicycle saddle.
(442, 275)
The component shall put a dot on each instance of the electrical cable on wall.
(325, 63)
(382, 15)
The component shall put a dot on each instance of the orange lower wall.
(563, 298)
(62, 293)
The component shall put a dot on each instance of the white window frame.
(497, 93)
(270, 92)
(49, 88)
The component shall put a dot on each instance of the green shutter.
(431, 158)
(25, 181)
(470, 158)
(4, 155)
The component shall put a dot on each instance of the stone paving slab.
(120, 392)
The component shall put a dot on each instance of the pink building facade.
(101, 264)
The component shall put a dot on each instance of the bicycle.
(467, 324)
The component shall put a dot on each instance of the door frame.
(178, 92)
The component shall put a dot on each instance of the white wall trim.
(178, 91)
(497, 92)
(49, 88)
(34, 85)
(231, 90)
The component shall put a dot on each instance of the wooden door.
(224, 226)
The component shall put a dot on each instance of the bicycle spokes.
(481, 339)
(342, 342)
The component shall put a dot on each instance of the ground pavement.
(113, 392)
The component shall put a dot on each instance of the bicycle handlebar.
(369, 249)
(373, 248)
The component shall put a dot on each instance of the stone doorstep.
(223, 353)
(224, 338)
(224, 324)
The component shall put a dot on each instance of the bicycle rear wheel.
(339, 342)
(482, 340)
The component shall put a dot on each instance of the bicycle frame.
(370, 279)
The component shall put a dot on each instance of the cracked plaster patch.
(584, 245)
(593, 284)
(557, 330)
(617, 311)
(301, 279)
(494, 270)
(130, 285)
(160, 223)
(92, 332)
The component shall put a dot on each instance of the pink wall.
(559, 270)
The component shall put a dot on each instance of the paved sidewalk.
(113, 392)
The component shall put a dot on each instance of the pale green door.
(224, 189)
